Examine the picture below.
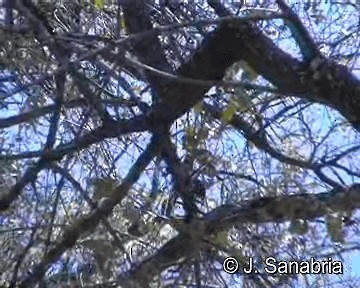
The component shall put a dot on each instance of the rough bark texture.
(321, 81)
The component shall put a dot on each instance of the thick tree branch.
(323, 81)
(147, 48)
(276, 209)
(302, 37)
(320, 81)
(287, 208)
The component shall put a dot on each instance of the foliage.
(143, 142)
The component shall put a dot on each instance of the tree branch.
(90, 221)
(109, 130)
(263, 210)
(147, 48)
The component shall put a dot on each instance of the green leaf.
(299, 227)
(199, 107)
(334, 227)
(190, 138)
(248, 72)
(221, 239)
(242, 99)
(229, 112)
(100, 4)
(103, 187)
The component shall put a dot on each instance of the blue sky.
(352, 265)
